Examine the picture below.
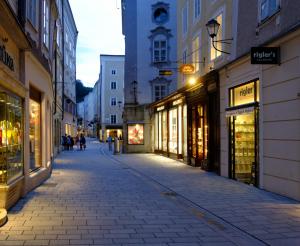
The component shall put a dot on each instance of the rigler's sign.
(187, 69)
(265, 55)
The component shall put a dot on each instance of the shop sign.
(160, 108)
(244, 94)
(177, 102)
(239, 111)
(6, 58)
(265, 55)
(165, 72)
(187, 69)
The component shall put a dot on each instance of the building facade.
(260, 103)
(150, 65)
(69, 42)
(186, 123)
(111, 84)
(27, 38)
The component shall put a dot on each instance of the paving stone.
(98, 202)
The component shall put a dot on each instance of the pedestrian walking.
(64, 141)
(71, 143)
(82, 142)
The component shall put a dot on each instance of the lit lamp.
(192, 81)
(213, 27)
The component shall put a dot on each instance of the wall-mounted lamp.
(212, 27)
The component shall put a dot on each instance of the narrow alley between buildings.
(96, 198)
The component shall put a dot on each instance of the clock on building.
(160, 15)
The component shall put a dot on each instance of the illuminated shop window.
(135, 134)
(35, 130)
(11, 138)
(173, 131)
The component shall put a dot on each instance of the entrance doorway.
(198, 135)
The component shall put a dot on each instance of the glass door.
(243, 144)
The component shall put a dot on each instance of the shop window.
(165, 132)
(35, 129)
(213, 52)
(11, 138)
(173, 131)
(185, 130)
(135, 134)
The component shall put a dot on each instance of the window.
(213, 52)
(113, 85)
(113, 101)
(113, 71)
(184, 19)
(197, 9)
(268, 8)
(160, 91)
(31, 12)
(46, 23)
(196, 53)
(113, 119)
(35, 129)
(160, 50)
(160, 15)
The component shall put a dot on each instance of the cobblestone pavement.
(94, 198)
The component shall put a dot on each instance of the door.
(243, 141)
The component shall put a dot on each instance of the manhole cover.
(50, 184)
(169, 193)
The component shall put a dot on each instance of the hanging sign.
(187, 69)
(6, 58)
(265, 55)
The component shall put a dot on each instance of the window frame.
(46, 23)
(185, 19)
(160, 49)
(113, 116)
(32, 11)
(269, 14)
(113, 83)
(218, 54)
(161, 95)
(197, 14)
(113, 101)
(113, 71)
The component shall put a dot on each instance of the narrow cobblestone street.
(96, 198)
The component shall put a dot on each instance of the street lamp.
(212, 27)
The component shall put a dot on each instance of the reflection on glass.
(35, 134)
(11, 137)
(185, 130)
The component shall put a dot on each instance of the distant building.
(111, 84)
(150, 33)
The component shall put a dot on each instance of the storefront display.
(135, 134)
(35, 134)
(199, 134)
(11, 138)
(173, 131)
(243, 118)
